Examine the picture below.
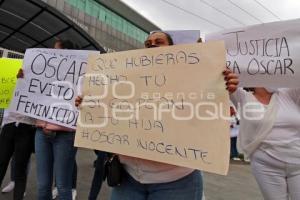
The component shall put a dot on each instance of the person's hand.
(20, 73)
(78, 101)
(231, 79)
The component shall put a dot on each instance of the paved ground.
(238, 185)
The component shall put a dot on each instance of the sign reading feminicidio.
(50, 84)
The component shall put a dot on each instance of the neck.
(261, 92)
(262, 95)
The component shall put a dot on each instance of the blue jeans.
(189, 187)
(55, 153)
(74, 176)
(233, 148)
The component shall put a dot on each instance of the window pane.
(93, 8)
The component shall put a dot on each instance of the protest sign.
(51, 83)
(184, 36)
(9, 68)
(265, 55)
(165, 104)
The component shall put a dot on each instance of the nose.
(152, 46)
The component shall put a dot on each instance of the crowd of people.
(271, 141)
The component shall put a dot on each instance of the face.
(58, 45)
(158, 39)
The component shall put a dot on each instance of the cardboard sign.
(51, 83)
(9, 68)
(265, 55)
(165, 104)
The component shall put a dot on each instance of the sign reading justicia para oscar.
(265, 55)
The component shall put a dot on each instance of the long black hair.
(67, 44)
(249, 89)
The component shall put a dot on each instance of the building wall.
(6, 53)
(109, 29)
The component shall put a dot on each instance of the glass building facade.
(107, 27)
(112, 19)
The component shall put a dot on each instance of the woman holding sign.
(270, 136)
(150, 180)
(16, 138)
(55, 153)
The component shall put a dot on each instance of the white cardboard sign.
(266, 55)
(50, 84)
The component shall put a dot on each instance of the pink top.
(52, 127)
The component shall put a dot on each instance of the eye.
(147, 43)
(159, 42)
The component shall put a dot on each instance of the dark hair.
(249, 89)
(67, 44)
(169, 38)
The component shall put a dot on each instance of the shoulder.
(241, 94)
(292, 93)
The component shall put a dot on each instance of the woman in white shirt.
(270, 136)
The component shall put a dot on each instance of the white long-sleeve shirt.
(277, 133)
(10, 117)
